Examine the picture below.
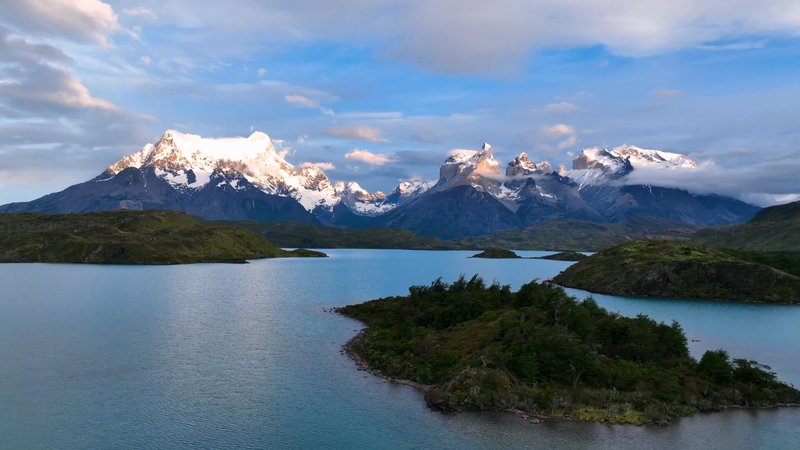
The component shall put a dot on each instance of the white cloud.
(146, 60)
(357, 132)
(566, 134)
(261, 72)
(492, 37)
(557, 131)
(80, 20)
(140, 12)
(305, 102)
(34, 81)
(560, 107)
(319, 165)
(366, 156)
(765, 183)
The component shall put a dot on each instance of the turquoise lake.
(247, 356)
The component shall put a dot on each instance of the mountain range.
(247, 179)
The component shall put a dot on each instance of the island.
(497, 253)
(564, 256)
(684, 270)
(541, 353)
(130, 237)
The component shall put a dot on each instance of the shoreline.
(348, 348)
(361, 365)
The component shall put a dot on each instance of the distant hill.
(291, 234)
(566, 234)
(683, 270)
(776, 228)
(129, 237)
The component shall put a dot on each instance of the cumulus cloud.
(305, 102)
(356, 132)
(366, 156)
(79, 20)
(319, 165)
(565, 134)
(34, 81)
(446, 36)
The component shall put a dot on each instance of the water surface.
(246, 356)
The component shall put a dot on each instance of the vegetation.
(129, 237)
(564, 256)
(684, 270)
(496, 253)
(290, 234)
(566, 234)
(478, 347)
(774, 229)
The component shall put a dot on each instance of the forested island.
(130, 237)
(476, 347)
(685, 270)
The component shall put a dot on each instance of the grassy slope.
(288, 234)
(538, 350)
(682, 270)
(775, 229)
(564, 256)
(564, 234)
(127, 237)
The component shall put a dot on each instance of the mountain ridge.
(248, 179)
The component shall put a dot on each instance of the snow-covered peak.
(545, 166)
(641, 157)
(486, 146)
(520, 165)
(460, 156)
(187, 161)
(597, 165)
(355, 188)
(412, 187)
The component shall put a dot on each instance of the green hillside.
(684, 270)
(129, 237)
(775, 229)
(290, 234)
(566, 234)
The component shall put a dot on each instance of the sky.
(377, 91)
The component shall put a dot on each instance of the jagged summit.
(597, 165)
(246, 178)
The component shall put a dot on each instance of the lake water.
(245, 356)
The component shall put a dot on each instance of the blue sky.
(83, 82)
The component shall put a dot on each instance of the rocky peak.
(520, 165)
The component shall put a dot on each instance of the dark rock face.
(619, 203)
(342, 216)
(142, 189)
(452, 213)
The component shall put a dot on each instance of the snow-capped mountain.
(597, 165)
(472, 197)
(181, 168)
(187, 161)
(248, 179)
